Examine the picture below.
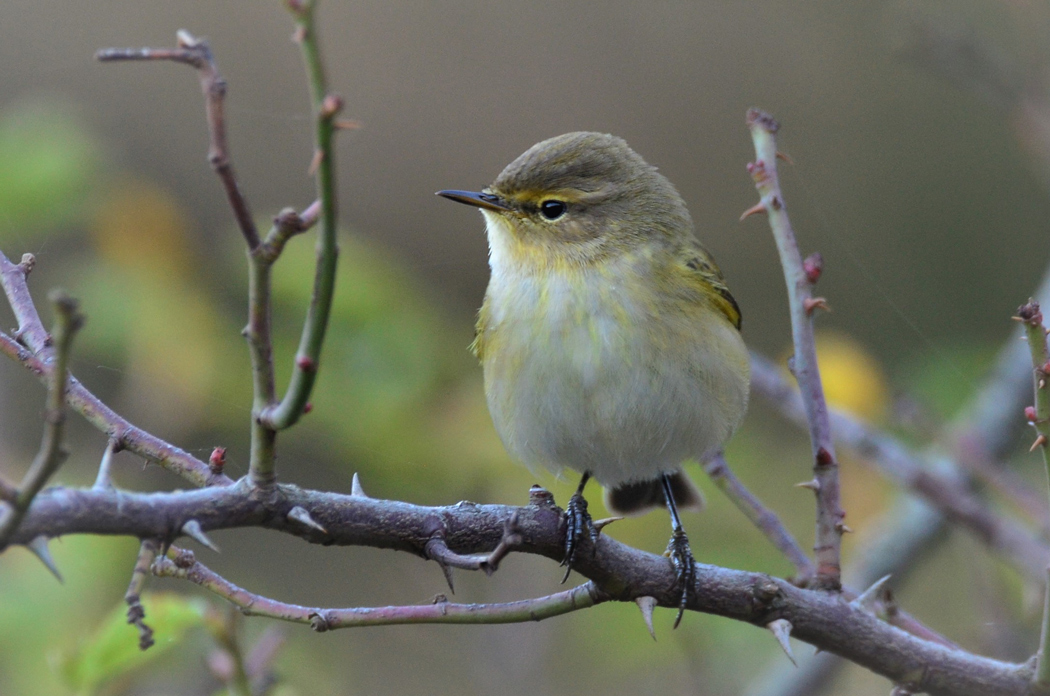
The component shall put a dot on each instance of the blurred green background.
(919, 134)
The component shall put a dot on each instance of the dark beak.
(488, 201)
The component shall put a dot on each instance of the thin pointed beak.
(488, 201)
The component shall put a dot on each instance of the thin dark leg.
(577, 520)
(679, 551)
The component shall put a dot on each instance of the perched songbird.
(609, 340)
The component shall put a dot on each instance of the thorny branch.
(942, 489)
(830, 526)
(469, 536)
(769, 524)
(825, 620)
(1038, 415)
(982, 433)
(269, 415)
(30, 351)
(762, 517)
(197, 54)
(182, 564)
(51, 454)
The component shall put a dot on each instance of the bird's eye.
(552, 210)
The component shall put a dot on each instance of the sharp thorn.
(753, 210)
(300, 515)
(866, 600)
(192, 529)
(843, 528)
(447, 570)
(1039, 442)
(599, 525)
(647, 604)
(315, 163)
(784, 158)
(39, 548)
(781, 629)
(813, 485)
(184, 39)
(355, 488)
(811, 303)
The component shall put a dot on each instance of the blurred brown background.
(918, 133)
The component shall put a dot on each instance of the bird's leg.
(680, 553)
(577, 521)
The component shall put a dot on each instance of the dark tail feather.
(641, 496)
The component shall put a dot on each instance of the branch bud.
(813, 265)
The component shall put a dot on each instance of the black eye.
(552, 210)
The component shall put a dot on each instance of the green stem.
(325, 107)
(261, 462)
(51, 453)
(1035, 333)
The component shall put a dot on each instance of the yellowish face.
(577, 198)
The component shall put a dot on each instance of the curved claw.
(684, 569)
(577, 520)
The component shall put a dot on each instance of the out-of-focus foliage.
(47, 160)
(112, 650)
(853, 379)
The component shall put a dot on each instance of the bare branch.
(33, 354)
(623, 573)
(183, 565)
(942, 489)
(195, 52)
(761, 516)
(830, 527)
(133, 597)
(768, 522)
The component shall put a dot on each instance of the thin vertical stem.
(1039, 416)
(51, 453)
(829, 526)
(325, 107)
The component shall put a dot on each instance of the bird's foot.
(577, 522)
(684, 569)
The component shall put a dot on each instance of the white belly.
(601, 381)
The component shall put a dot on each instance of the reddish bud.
(1045, 369)
(331, 105)
(824, 457)
(1030, 414)
(305, 364)
(217, 460)
(813, 266)
(308, 407)
(1030, 313)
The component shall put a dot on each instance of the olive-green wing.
(701, 269)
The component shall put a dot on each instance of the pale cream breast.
(591, 369)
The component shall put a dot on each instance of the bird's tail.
(639, 497)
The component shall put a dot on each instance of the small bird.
(609, 341)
